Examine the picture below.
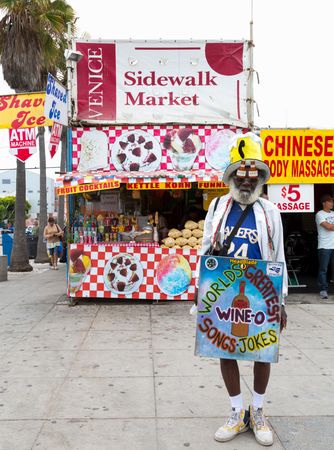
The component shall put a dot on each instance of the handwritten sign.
(55, 137)
(239, 304)
(55, 107)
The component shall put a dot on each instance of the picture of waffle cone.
(80, 265)
(183, 146)
(123, 274)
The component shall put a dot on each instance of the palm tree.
(32, 40)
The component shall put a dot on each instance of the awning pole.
(250, 99)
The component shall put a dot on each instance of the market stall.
(126, 175)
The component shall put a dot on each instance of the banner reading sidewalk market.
(23, 111)
(203, 82)
(299, 156)
(239, 304)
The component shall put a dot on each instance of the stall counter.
(143, 271)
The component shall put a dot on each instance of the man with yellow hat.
(260, 236)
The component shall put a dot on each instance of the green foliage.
(33, 36)
(7, 208)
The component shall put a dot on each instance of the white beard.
(245, 198)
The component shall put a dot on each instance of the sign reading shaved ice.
(239, 306)
(173, 274)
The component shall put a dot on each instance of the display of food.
(191, 225)
(201, 224)
(183, 146)
(173, 274)
(136, 150)
(190, 237)
(80, 265)
(174, 233)
(123, 273)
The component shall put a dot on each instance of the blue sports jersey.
(245, 242)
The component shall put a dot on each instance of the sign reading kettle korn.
(239, 305)
(162, 82)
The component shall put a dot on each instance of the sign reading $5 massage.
(239, 303)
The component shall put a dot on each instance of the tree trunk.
(19, 261)
(42, 256)
(61, 198)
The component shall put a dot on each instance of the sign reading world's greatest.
(239, 303)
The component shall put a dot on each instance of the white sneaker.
(238, 422)
(260, 426)
(323, 295)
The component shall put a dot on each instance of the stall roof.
(71, 182)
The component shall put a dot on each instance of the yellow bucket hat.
(245, 150)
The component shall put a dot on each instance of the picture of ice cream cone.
(79, 268)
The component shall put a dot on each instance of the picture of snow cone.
(183, 146)
(80, 265)
(173, 275)
(217, 149)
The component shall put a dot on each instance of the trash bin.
(32, 245)
(7, 245)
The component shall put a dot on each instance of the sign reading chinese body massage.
(299, 156)
(161, 82)
(239, 309)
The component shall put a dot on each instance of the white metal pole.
(250, 97)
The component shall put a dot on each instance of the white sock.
(258, 400)
(237, 402)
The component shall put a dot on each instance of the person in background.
(53, 234)
(260, 237)
(35, 228)
(325, 226)
(63, 257)
(10, 227)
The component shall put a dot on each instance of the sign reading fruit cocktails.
(162, 81)
(239, 304)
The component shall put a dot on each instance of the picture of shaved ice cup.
(183, 146)
(182, 161)
(173, 275)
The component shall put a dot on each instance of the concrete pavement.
(114, 376)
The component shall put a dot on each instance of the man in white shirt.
(325, 227)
